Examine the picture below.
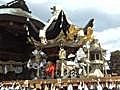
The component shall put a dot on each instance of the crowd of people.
(61, 86)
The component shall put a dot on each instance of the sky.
(105, 12)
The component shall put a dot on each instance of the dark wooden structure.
(115, 62)
(14, 38)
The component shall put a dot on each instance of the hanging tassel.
(42, 35)
(5, 69)
(29, 64)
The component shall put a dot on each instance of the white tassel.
(80, 33)
(28, 19)
(80, 54)
(5, 69)
(42, 35)
(29, 64)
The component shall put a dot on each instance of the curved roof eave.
(19, 12)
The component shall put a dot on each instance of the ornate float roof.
(13, 23)
(18, 8)
(19, 12)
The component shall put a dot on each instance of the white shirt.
(6, 88)
(111, 86)
(70, 87)
(91, 87)
(99, 87)
(118, 86)
(2, 88)
(17, 87)
(79, 87)
(85, 87)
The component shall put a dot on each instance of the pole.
(88, 62)
(38, 71)
(62, 68)
(105, 72)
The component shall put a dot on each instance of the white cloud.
(37, 1)
(31, 1)
(109, 38)
(108, 6)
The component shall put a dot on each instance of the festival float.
(15, 43)
(56, 52)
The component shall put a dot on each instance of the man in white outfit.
(80, 86)
(99, 87)
(70, 87)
